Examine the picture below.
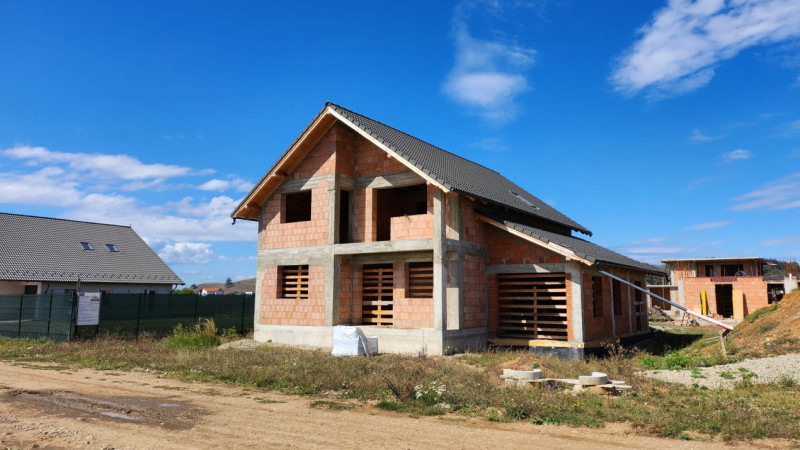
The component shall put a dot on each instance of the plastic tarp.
(351, 341)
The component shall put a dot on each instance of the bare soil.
(61, 407)
(775, 333)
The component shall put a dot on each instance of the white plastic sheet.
(351, 341)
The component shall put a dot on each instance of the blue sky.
(668, 128)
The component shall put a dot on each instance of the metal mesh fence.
(36, 316)
(158, 314)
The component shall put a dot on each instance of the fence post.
(50, 315)
(138, 314)
(19, 325)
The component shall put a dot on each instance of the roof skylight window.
(523, 199)
(87, 246)
(112, 248)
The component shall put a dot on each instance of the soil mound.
(774, 330)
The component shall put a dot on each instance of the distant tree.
(183, 291)
(228, 282)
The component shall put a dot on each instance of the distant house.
(211, 291)
(362, 224)
(41, 255)
(732, 287)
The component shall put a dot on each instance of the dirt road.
(48, 406)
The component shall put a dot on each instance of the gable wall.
(505, 248)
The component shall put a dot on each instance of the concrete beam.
(467, 247)
(384, 258)
(315, 256)
(386, 180)
(357, 248)
(454, 217)
(304, 184)
(527, 268)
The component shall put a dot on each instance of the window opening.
(420, 280)
(377, 289)
(523, 199)
(724, 293)
(597, 297)
(730, 270)
(87, 246)
(294, 282)
(396, 202)
(112, 248)
(345, 227)
(639, 308)
(709, 270)
(532, 306)
(617, 287)
(297, 207)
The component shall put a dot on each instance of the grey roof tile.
(456, 173)
(45, 249)
(581, 247)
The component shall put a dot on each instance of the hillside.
(246, 285)
(770, 331)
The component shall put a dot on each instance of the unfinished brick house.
(733, 287)
(362, 224)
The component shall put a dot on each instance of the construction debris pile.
(597, 382)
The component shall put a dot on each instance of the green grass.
(469, 384)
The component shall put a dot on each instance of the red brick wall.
(504, 248)
(418, 226)
(473, 230)
(596, 327)
(284, 311)
(296, 234)
(475, 314)
(409, 312)
(371, 160)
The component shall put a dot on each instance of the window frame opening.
(297, 206)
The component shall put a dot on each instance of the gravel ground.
(761, 370)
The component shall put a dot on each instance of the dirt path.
(48, 406)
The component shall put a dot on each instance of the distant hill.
(241, 286)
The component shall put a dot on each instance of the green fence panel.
(36, 316)
(159, 314)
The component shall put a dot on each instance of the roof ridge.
(413, 137)
(66, 220)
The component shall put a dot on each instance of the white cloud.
(187, 253)
(215, 184)
(49, 186)
(698, 136)
(784, 241)
(708, 225)
(736, 155)
(679, 49)
(98, 165)
(487, 75)
(783, 193)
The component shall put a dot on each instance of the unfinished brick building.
(362, 224)
(733, 287)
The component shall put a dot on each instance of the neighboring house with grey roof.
(362, 224)
(41, 255)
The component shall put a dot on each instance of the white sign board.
(89, 308)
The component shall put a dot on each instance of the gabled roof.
(442, 168)
(571, 246)
(45, 249)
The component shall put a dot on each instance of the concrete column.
(333, 211)
(681, 294)
(630, 309)
(439, 262)
(333, 290)
(454, 216)
(576, 281)
(455, 291)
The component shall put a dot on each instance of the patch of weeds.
(747, 373)
(327, 404)
(432, 411)
(203, 335)
(697, 374)
(267, 400)
(493, 414)
(683, 437)
(388, 405)
(676, 361)
(785, 381)
(760, 313)
(766, 327)
(726, 374)
(650, 362)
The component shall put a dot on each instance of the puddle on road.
(162, 412)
